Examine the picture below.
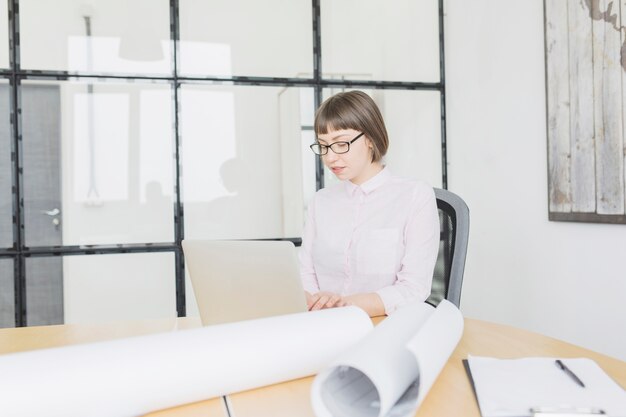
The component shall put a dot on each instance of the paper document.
(131, 377)
(391, 370)
(511, 387)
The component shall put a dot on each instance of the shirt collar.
(369, 185)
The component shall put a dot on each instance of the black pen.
(569, 372)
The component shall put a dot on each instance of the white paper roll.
(398, 360)
(434, 343)
(131, 377)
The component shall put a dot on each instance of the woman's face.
(355, 165)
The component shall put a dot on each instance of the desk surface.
(451, 395)
(292, 398)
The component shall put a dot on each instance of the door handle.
(53, 212)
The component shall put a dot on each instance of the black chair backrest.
(454, 234)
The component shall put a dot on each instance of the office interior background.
(110, 163)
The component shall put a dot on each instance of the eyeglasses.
(337, 147)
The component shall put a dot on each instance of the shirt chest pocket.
(377, 251)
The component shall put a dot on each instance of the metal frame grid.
(15, 74)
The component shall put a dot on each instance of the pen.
(569, 372)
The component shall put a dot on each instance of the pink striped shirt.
(381, 236)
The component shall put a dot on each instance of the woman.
(372, 239)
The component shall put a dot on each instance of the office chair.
(454, 234)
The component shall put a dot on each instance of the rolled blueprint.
(392, 369)
(133, 376)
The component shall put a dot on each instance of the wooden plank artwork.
(585, 92)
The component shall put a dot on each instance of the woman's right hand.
(324, 299)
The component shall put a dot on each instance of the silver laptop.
(242, 280)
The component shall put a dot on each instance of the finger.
(332, 302)
(344, 303)
(311, 301)
(320, 303)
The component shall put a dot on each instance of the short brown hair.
(354, 110)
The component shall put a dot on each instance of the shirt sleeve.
(307, 270)
(421, 241)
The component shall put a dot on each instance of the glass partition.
(6, 175)
(7, 298)
(243, 149)
(394, 40)
(271, 38)
(99, 146)
(44, 291)
(100, 288)
(4, 35)
(99, 36)
(98, 163)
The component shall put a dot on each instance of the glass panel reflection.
(395, 40)
(225, 38)
(7, 302)
(98, 288)
(125, 287)
(44, 291)
(242, 161)
(6, 196)
(413, 122)
(98, 163)
(104, 36)
(4, 35)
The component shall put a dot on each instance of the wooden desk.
(451, 395)
(40, 337)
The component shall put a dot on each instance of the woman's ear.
(370, 146)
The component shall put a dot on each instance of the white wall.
(566, 280)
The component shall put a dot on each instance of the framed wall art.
(585, 47)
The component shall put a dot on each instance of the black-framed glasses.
(337, 147)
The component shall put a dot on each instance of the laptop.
(243, 280)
